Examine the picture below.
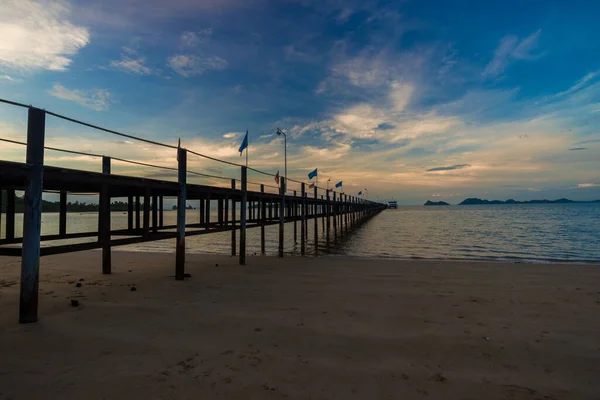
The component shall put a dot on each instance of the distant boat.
(392, 204)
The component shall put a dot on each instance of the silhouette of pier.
(237, 207)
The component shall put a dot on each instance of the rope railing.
(149, 142)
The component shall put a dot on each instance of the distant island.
(475, 201)
(436, 203)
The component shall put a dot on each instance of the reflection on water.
(557, 232)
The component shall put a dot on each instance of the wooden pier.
(238, 209)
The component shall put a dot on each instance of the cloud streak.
(97, 99)
(449, 168)
(511, 49)
(38, 35)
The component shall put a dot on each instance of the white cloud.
(131, 64)
(188, 65)
(97, 99)
(587, 185)
(511, 49)
(38, 35)
(192, 39)
(400, 95)
(7, 78)
(232, 135)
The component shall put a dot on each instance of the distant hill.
(476, 201)
(436, 203)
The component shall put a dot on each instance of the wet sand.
(305, 328)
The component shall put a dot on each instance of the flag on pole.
(339, 184)
(277, 177)
(244, 144)
(178, 148)
(312, 174)
(360, 193)
(311, 186)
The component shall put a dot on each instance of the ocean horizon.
(519, 233)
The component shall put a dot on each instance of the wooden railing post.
(233, 201)
(243, 209)
(105, 218)
(281, 215)
(328, 212)
(181, 209)
(263, 210)
(32, 218)
(207, 211)
(146, 219)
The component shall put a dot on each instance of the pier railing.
(240, 204)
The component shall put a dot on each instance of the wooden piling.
(137, 212)
(233, 217)
(105, 219)
(32, 218)
(262, 221)
(207, 211)
(243, 209)
(130, 213)
(10, 214)
(220, 212)
(295, 214)
(202, 212)
(62, 214)
(281, 215)
(146, 222)
(161, 211)
(154, 213)
(181, 209)
(316, 221)
(302, 221)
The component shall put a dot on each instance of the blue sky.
(413, 100)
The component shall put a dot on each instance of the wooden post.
(220, 211)
(154, 213)
(243, 209)
(233, 201)
(316, 219)
(146, 222)
(207, 211)
(105, 218)
(161, 211)
(181, 204)
(302, 220)
(32, 218)
(294, 214)
(62, 215)
(137, 213)
(327, 212)
(281, 215)
(10, 214)
(226, 211)
(1, 211)
(130, 213)
(334, 218)
(202, 211)
(262, 220)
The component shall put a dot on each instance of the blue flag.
(244, 144)
(312, 174)
(360, 193)
(339, 184)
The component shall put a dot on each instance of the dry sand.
(318, 328)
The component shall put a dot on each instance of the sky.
(411, 100)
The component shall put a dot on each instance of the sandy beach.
(305, 328)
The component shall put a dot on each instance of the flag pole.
(247, 147)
